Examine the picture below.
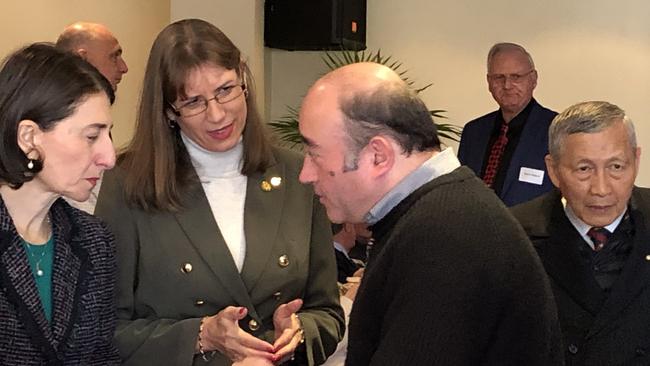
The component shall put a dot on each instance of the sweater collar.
(210, 164)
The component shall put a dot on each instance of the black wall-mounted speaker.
(302, 25)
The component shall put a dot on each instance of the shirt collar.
(582, 227)
(439, 164)
(341, 248)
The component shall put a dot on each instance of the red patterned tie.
(495, 155)
(599, 236)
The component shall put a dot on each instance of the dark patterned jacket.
(83, 310)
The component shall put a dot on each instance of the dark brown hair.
(156, 164)
(45, 85)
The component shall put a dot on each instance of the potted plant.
(286, 127)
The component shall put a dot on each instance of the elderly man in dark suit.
(592, 236)
(506, 148)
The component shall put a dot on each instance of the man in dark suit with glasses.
(506, 148)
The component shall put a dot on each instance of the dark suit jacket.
(83, 310)
(345, 267)
(529, 153)
(175, 268)
(598, 330)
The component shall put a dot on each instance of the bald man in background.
(96, 44)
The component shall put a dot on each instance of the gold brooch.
(274, 182)
(266, 186)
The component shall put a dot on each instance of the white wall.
(583, 49)
(134, 23)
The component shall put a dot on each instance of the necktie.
(495, 155)
(599, 236)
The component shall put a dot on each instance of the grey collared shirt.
(439, 164)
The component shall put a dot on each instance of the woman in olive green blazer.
(182, 299)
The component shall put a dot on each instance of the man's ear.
(382, 154)
(551, 168)
(82, 52)
(28, 136)
(534, 76)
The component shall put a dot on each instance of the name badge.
(530, 175)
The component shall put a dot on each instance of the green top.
(41, 258)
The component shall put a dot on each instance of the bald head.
(358, 77)
(364, 130)
(96, 44)
(373, 99)
(78, 34)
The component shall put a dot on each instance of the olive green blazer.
(175, 268)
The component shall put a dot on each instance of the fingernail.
(241, 311)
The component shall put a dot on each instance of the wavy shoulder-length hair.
(156, 164)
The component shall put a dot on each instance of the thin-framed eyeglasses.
(514, 78)
(197, 105)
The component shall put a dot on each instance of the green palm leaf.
(286, 127)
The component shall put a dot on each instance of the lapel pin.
(276, 181)
(265, 186)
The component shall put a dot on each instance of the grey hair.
(586, 117)
(505, 47)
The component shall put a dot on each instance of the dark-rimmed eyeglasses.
(197, 105)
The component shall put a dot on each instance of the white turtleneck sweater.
(225, 188)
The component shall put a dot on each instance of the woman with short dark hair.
(57, 263)
(223, 255)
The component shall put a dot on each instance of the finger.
(288, 350)
(253, 343)
(222, 332)
(285, 310)
(244, 345)
(234, 313)
(284, 338)
(294, 305)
